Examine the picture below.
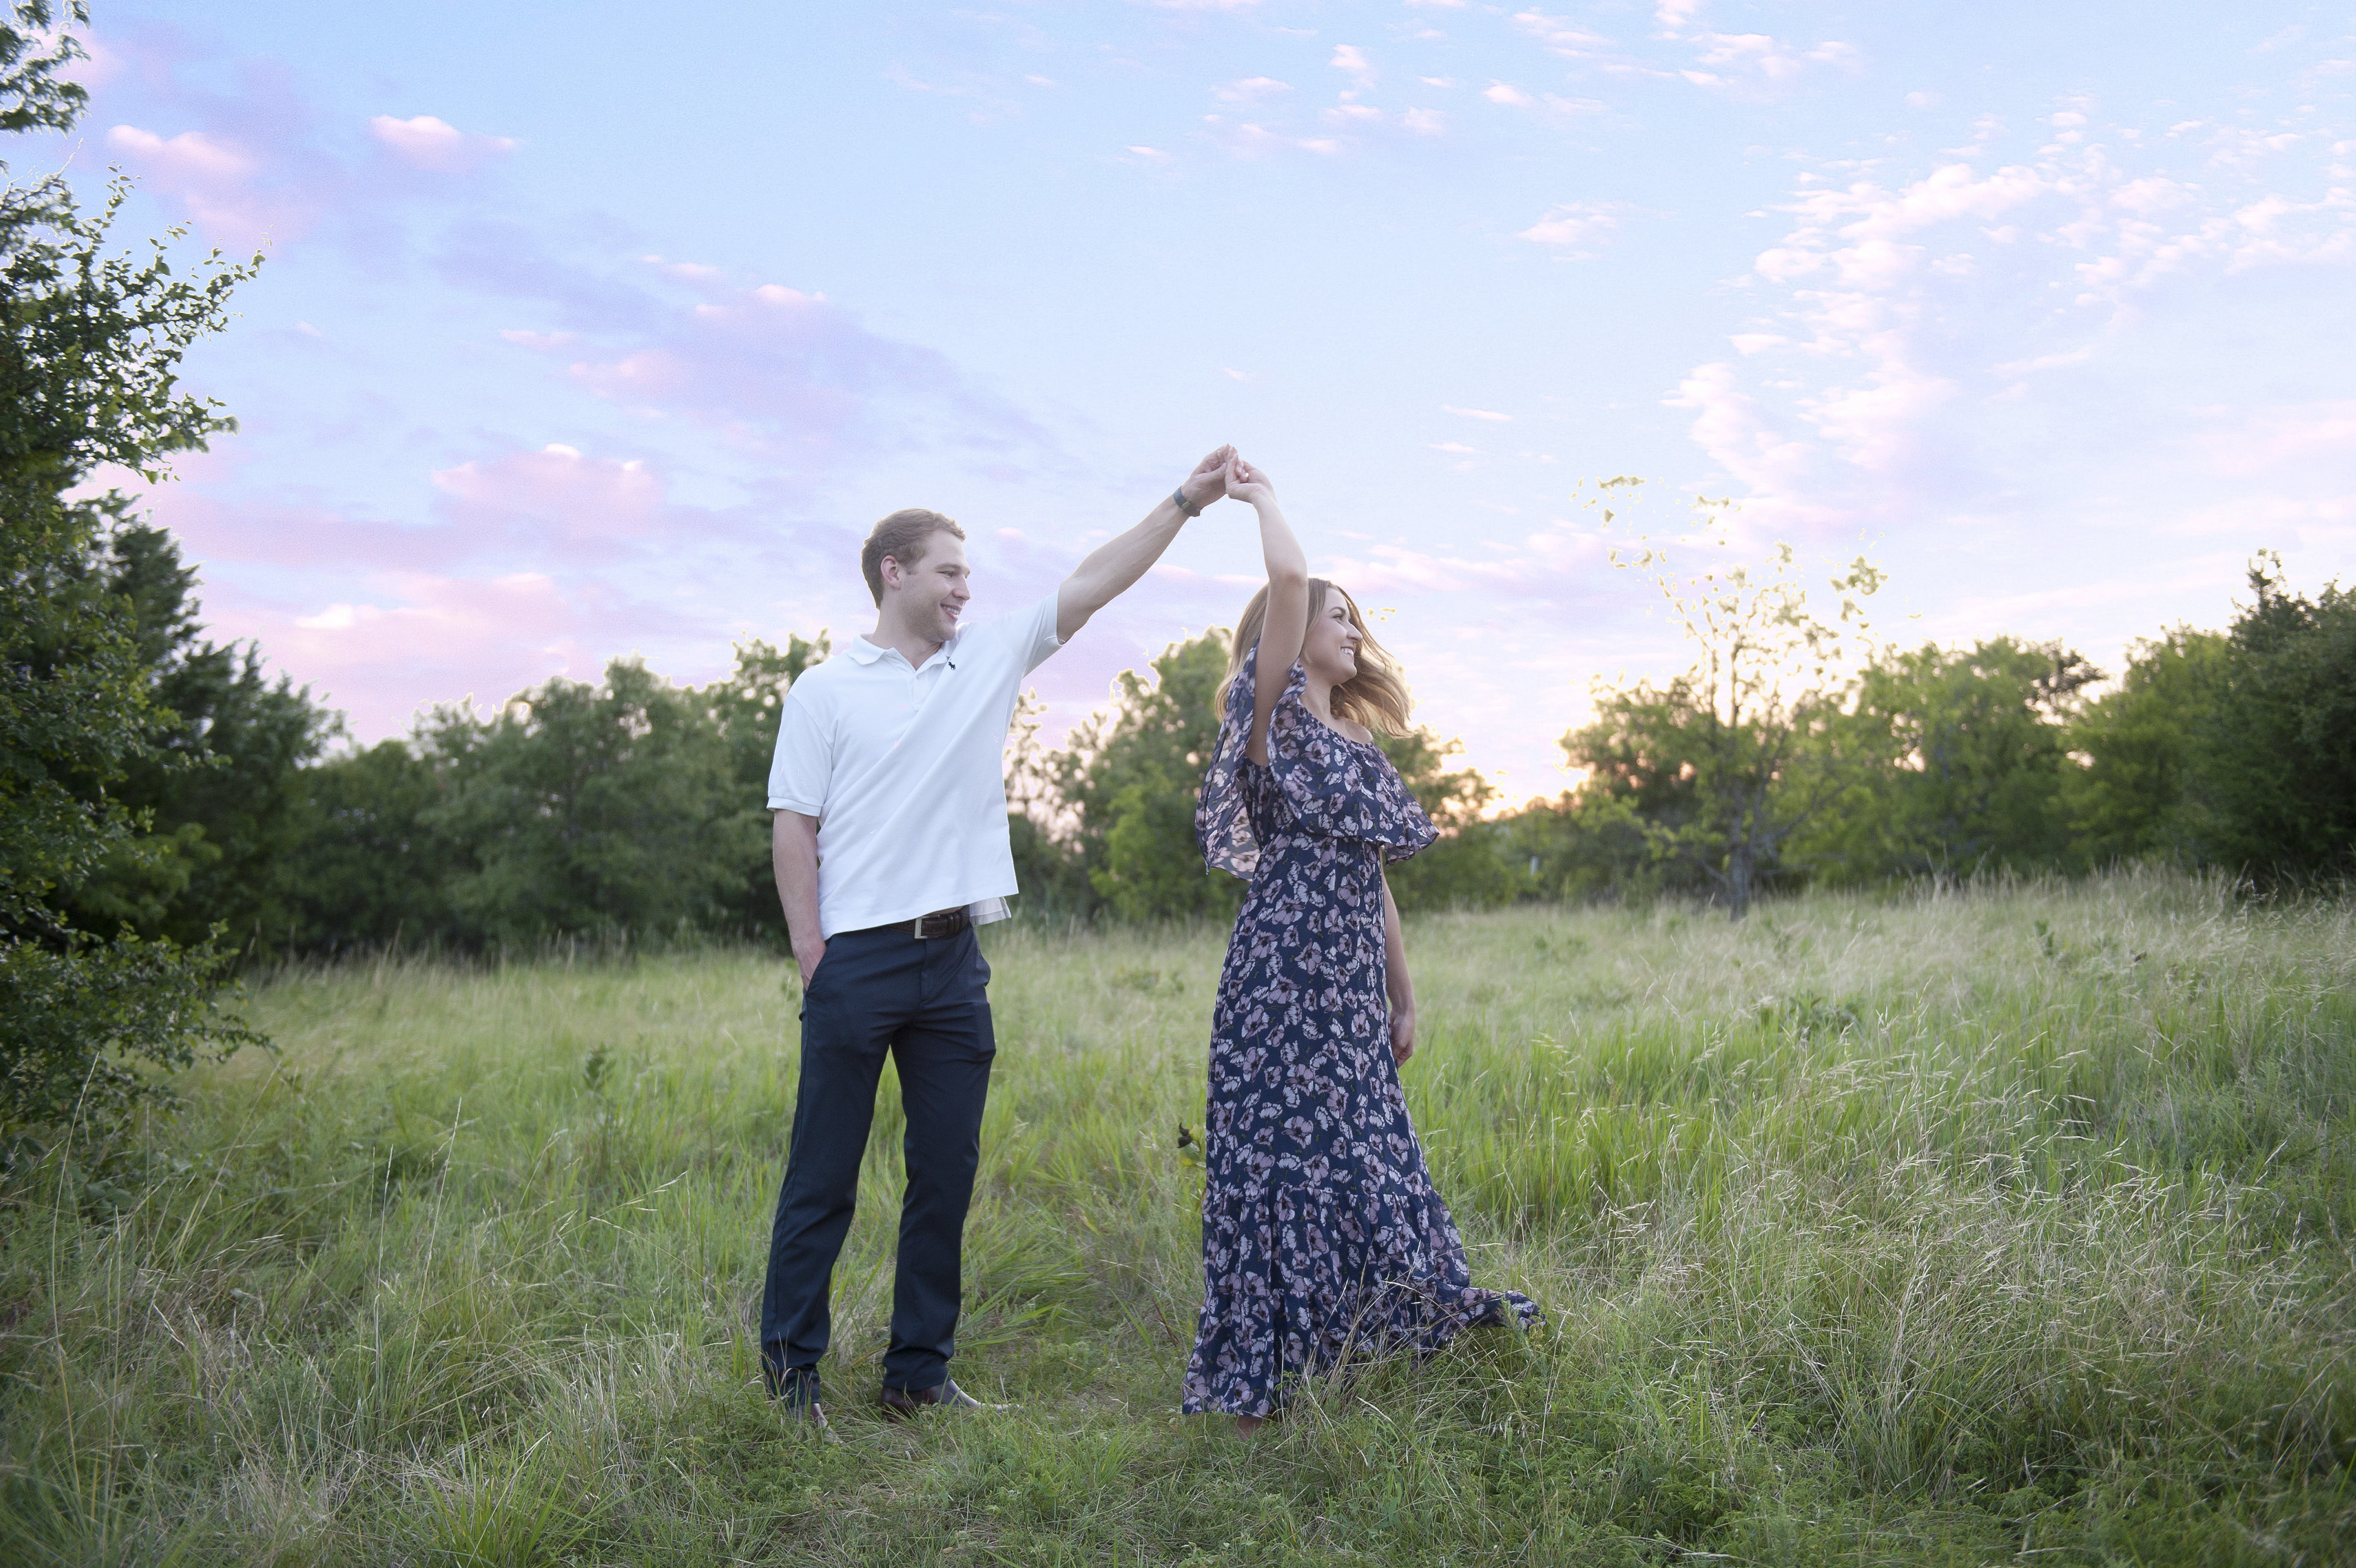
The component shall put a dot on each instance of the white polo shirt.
(904, 770)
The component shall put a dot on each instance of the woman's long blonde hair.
(1376, 696)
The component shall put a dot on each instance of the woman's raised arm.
(1288, 598)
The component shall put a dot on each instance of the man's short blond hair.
(902, 536)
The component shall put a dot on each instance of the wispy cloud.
(1860, 413)
(773, 370)
(1559, 35)
(260, 165)
(1576, 228)
(2266, 441)
(1756, 65)
(1251, 89)
(532, 428)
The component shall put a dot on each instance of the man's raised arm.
(1115, 564)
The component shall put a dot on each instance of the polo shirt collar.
(866, 653)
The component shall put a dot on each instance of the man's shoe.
(902, 1404)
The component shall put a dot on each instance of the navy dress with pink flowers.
(1323, 1239)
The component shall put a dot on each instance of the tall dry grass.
(2010, 1224)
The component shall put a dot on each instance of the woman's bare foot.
(1248, 1424)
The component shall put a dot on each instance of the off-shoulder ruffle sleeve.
(1334, 786)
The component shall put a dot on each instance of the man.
(890, 841)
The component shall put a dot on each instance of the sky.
(589, 331)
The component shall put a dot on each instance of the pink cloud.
(429, 142)
(217, 183)
(1862, 406)
(546, 563)
(553, 494)
(215, 528)
(414, 640)
(382, 639)
(527, 508)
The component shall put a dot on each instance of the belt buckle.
(951, 921)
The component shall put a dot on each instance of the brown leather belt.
(924, 927)
(939, 923)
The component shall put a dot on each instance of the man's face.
(929, 594)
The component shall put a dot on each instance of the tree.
(90, 346)
(1641, 801)
(589, 808)
(1587, 843)
(1131, 778)
(369, 866)
(1468, 864)
(1963, 761)
(745, 708)
(1740, 743)
(635, 805)
(221, 788)
(1048, 865)
(2136, 794)
(2276, 770)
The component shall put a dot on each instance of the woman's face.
(1329, 652)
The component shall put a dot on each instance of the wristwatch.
(1178, 496)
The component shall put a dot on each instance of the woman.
(1321, 1236)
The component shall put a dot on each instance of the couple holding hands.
(1323, 1239)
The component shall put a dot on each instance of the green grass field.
(1994, 1226)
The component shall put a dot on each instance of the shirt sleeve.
(1038, 638)
(804, 763)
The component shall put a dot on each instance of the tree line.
(634, 807)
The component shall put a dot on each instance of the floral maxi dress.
(1323, 1239)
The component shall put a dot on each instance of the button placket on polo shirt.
(922, 683)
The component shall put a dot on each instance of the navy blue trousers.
(926, 1002)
